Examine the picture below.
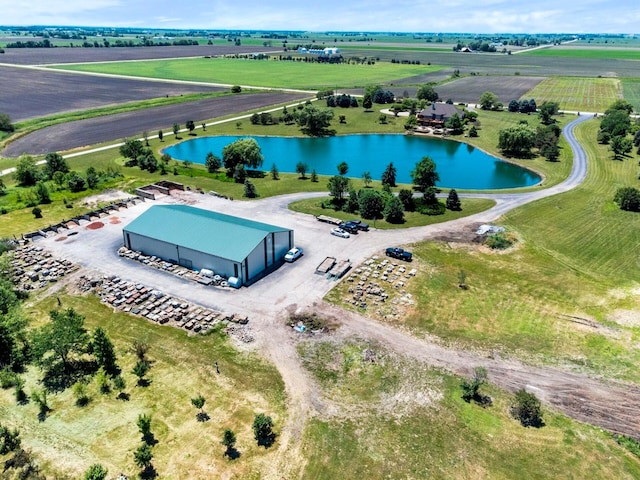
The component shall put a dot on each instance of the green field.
(578, 94)
(261, 73)
(405, 420)
(578, 252)
(590, 53)
(631, 91)
(72, 438)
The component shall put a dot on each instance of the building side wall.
(199, 260)
(282, 242)
(151, 246)
(256, 262)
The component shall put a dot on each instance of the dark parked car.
(349, 227)
(360, 225)
(399, 253)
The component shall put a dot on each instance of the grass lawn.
(264, 73)
(470, 206)
(399, 419)
(105, 431)
(631, 91)
(578, 94)
(587, 53)
(577, 255)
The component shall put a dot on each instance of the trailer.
(327, 219)
(339, 269)
(326, 265)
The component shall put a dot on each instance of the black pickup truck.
(399, 253)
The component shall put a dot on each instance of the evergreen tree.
(453, 202)
(104, 352)
(389, 176)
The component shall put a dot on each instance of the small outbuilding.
(202, 239)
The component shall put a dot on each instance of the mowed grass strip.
(262, 73)
(396, 418)
(577, 94)
(631, 90)
(587, 53)
(182, 367)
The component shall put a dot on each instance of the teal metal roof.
(202, 230)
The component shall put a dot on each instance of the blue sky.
(476, 16)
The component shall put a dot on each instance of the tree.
(60, 338)
(343, 168)
(140, 369)
(5, 123)
(622, 105)
(527, 409)
(143, 456)
(514, 106)
(249, 189)
(161, 135)
(314, 176)
(406, 197)
(96, 472)
(144, 427)
(132, 150)
(54, 163)
(140, 349)
(628, 198)
(145, 137)
(236, 89)
(37, 212)
(42, 193)
(389, 176)
(517, 141)
(263, 430)
(301, 169)
(371, 203)
(426, 92)
(616, 122)
(453, 202)
(547, 111)
(275, 175)
(198, 402)
(367, 103)
(245, 152)
(239, 174)
(394, 210)
(338, 186)
(229, 441)
(92, 177)
(104, 352)
(620, 146)
(80, 392)
(27, 173)
(212, 162)
(471, 388)
(191, 126)
(366, 178)
(424, 175)
(488, 100)
(454, 124)
(75, 182)
(176, 129)
(473, 131)
(315, 121)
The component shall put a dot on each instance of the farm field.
(578, 94)
(81, 133)
(44, 56)
(263, 73)
(469, 89)
(590, 53)
(37, 93)
(405, 420)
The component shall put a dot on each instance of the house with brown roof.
(437, 114)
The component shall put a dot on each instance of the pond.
(460, 165)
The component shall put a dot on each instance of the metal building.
(197, 239)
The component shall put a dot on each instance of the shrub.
(236, 89)
(437, 208)
(628, 198)
(527, 409)
(37, 212)
(498, 241)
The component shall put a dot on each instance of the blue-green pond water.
(460, 165)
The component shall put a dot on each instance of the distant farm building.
(437, 114)
(196, 238)
(320, 51)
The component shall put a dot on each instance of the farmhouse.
(196, 238)
(437, 114)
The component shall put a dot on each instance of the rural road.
(294, 287)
